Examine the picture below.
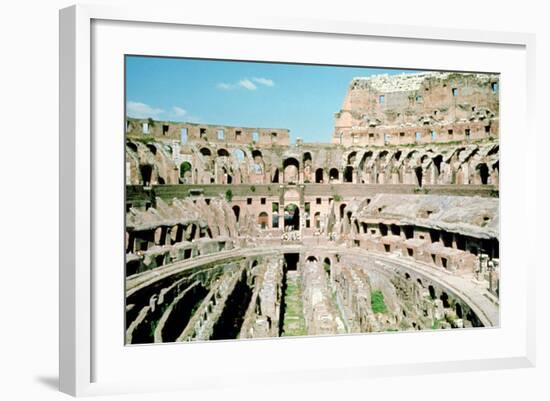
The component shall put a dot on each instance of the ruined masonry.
(234, 232)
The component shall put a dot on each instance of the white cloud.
(250, 84)
(179, 112)
(264, 81)
(247, 84)
(142, 110)
(225, 86)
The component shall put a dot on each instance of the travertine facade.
(234, 233)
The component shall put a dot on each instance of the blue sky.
(302, 98)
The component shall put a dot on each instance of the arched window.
(291, 168)
(319, 175)
(348, 174)
(239, 155)
(333, 174)
(223, 153)
(263, 220)
(237, 212)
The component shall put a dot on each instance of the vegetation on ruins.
(229, 195)
(377, 302)
(227, 237)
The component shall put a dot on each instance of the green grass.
(294, 323)
(229, 195)
(377, 302)
(436, 324)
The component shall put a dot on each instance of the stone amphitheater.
(235, 233)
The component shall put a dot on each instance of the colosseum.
(237, 233)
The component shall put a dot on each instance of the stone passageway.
(293, 318)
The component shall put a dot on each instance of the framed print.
(313, 192)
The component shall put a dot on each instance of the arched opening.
(237, 212)
(326, 265)
(437, 164)
(257, 155)
(132, 146)
(152, 149)
(206, 152)
(317, 220)
(319, 175)
(493, 151)
(223, 153)
(161, 181)
(351, 157)
(311, 259)
(458, 310)
(395, 230)
(483, 173)
(366, 157)
(306, 157)
(291, 168)
(342, 209)
(445, 299)
(185, 171)
(275, 176)
(431, 289)
(418, 172)
(263, 220)
(348, 174)
(292, 217)
(146, 171)
(333, 174)
(239, 155)
(383, 229)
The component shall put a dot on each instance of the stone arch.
(292, 217)
(317, 220)
(334, 174)
(237, 212)
(133, 147)
(186, 169)
(146, 171)
(431, 290)
(205, 152)
(263, 220)
(319, 173)
(366, 156)
(348, 174)
(418, 173)
(274, 175)
(437, 160)
(239, 155)
(223, 152)
(483, 173)
(311, 258)
(352, 157)
(342, 209)
(458, 310)
(291, 170)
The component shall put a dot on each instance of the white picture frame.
(83, 357)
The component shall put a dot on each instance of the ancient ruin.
(235, 233)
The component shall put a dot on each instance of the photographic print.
(269, 200)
